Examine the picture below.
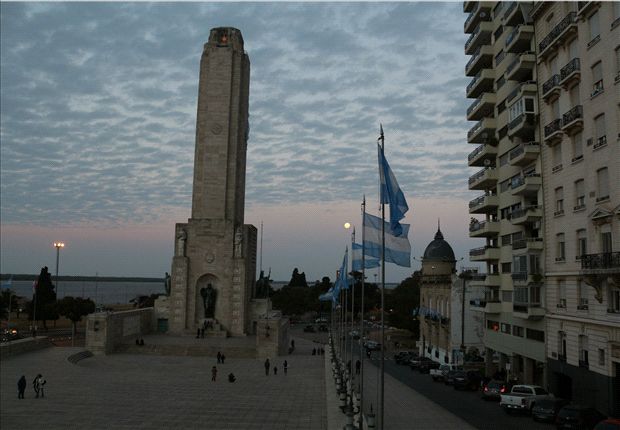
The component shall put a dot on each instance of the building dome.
(439, 250)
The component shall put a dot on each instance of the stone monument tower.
(214, 263)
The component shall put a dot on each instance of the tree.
(6, 296)
(298, 279)
(74, 309)
(44, 299)
(401, 302)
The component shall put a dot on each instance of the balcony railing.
(474, 105)
(557, 31)
(605, 260)
(521, 149)
(518, 213)
(572, 115)
(476, 226)
(553, 126)
(601, 141)
(475, 153)
(572, 66)
(477, 201)
(479, 174)
(480, 251)
(512, 7)
(523, 243)
(551, 83)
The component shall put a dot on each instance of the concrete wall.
(21, 346)
(105, 331)
(272, 337)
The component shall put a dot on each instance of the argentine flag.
(369, 263)
(397, 246)
(391, 194)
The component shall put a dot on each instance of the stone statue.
(238, 242)
(181, 238)
(208, 300)
(167, 283)
(263, 284)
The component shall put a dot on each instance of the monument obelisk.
(214, 263)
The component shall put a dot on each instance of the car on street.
(523, 398)
(546, 410)
(427, 365)
(449, 378)
(403, 357)
(576, 417)
(440, 373)
(493, 389)
(608, 424)
(309, 329)
(467, 380)
(371, 345)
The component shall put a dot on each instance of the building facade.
(578, 60)
(508, 214)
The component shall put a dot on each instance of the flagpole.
(351, 340)
(382, 389)
(361, 380)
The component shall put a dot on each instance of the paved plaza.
(144, 391)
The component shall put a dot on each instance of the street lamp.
(58, 245)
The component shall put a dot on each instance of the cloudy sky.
(98, 110)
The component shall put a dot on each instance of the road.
(467, 405)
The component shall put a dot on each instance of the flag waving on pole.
(356, 252)
(397, 247)
(391, 193)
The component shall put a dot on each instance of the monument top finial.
(226, 36)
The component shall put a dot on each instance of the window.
(556, 155)
(606, 242)
(553, 66)
(560, 253)
(582, 288)
(583, 350)
(506, 267)
(577, 147)
(498, 32)
(519, 263)
(500, 82)
(561, 294)
(505, 328)
(580, 194)
(593, 24)
(555, 108)
(599, 129)
(501, 107)
(597, 78)
(506, 239)
(614, 299)
(517, 331)
(602, 182)
(499, 57)
(507, 296)
(582, 244)
(575, 98)
(493, 325)
(562, 346)
(559, 201)
(538, 335)
(503, 159)
(573, 49)
(601, 351)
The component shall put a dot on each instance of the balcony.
(482, 131)
(557, 36)
(481, 107)
(584, 8)
(532, 311)
(481, 59)
(604, 263)
(483, 179)
(482, 154)
(469, 6)
(521, 68)
(523, 89)
(571, 73)
(527, 244)
(484, 204)
(523, 126)
(526, 185)
(551, 89)
(572, 121)
(484, 229)
(482, 12)
(553, 132)
(519, 39)
(527, 215)
(524, 154)
(484, 253)
(480, 36)
(481, 83)
(486, 306)
(513, 15)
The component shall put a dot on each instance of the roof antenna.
(438, 224)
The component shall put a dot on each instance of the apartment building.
(578, 63)
(508, 214)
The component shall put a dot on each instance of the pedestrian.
(293, 344)
(322, 351)
(231, 377)
(35, 387)
(285, 366)
(141, 342)
(213, 373)
(197, 333)
(223, 358)
(219, 357)
(275, 370)
(202, 333)
(40, 383)
(349, 367)
(313, 351)
(358, 366)
(267, 365)
(21, 387)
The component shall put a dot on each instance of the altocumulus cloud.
(99, 102)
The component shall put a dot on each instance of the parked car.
(416, 361)
(547, 409)
(469, 380)
(323, 328)
(608, 424)
(440, 373)
(425, 366)
(449, 378)
(523, 397)
(371, 345)
(577, 417)
(403, 357)
(309, 329)
(493, 390)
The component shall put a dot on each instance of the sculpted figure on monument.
(238, 241)
(167, 283)
(263, 285)
(181, 238)
(208, 300)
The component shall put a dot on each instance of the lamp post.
(58, 245)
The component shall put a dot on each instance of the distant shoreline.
(25, 277)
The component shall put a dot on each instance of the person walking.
(358, 366)
(285, 366)
(267, 365)
(275, 370)
(213, 373)
(219, 357)
(40, 383)
(21, 387)
(223, 358)
(35, 386)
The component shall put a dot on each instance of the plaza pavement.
(137, 391)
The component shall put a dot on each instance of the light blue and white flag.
(397, 247)
(328, 295)
(369, 263)
(391, 193)
(343, 275)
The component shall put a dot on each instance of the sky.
(97, 128)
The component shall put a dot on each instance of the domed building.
(443, 308)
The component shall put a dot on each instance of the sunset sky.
(98, 111)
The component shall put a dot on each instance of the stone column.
(488, 362)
